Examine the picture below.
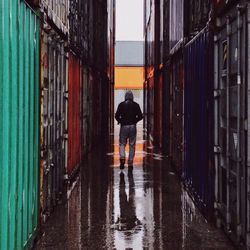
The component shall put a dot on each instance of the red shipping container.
(74, 121)
(221, 5)
(158, 110)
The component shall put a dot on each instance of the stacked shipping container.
(231, 118)
(206, 102)
(154, 47)
(75, 95)
(198, 119)
(74, 119)
(19, 127)
(54, 86)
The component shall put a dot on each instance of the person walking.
(127, 115)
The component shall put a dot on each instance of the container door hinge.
(248, 240)
(66, 95)
(246, 124)
(66, 137)
(217, 93)
(217, 149)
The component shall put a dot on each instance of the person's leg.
(132, 143)
(122, 145)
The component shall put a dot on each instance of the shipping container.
(176, 110)
(198, 16)
(231, 121)
(111, 6)
(56, 13)
(19, 129)
(74, 117)
(153, 55)
(158, 115)
(176, 24)
(79, 16)
(221, 6)
(166, 108)
(198, 169)
(85, 111)
(53, 119)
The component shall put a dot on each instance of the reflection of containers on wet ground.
(19, 124)
(198, 120)
(231, 121)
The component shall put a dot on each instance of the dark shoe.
(122, 163)
(122, 179)
(130, 168)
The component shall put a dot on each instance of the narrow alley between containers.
(68, 71)
(146, 208)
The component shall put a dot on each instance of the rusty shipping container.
(222, 6)
(176, 24)
(152, 43)
(53, 118)
(85, 111)
(197, 17)
(74, 110)
(56, 13)
(79, 18)
(231, 121)
(156, 84)
(111, 62)
(19, 124)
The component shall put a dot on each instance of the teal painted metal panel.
(19, 120)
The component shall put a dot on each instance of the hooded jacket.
(128, 112)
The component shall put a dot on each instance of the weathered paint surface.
(19, 98)
(53, 113)
(231, 121)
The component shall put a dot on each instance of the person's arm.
(118, 115)
(139, 115)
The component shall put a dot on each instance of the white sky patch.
(129, 20)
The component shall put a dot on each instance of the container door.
(74, 110)
(176, 107)
(247, 63)
(230, 118)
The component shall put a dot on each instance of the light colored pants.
(127, 133)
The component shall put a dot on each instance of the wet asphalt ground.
(146, 208)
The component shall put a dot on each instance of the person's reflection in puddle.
(127, 219)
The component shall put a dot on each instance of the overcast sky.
(129, 20)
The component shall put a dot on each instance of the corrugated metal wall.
(76, 112)
(231, 116)
(74, 118)
(53, 118)
(19, 116)
(176, 111)
(216, 168)
(176, 23)
(198, 120)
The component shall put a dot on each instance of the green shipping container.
(19, 120)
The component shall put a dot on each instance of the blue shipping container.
(198, 120)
